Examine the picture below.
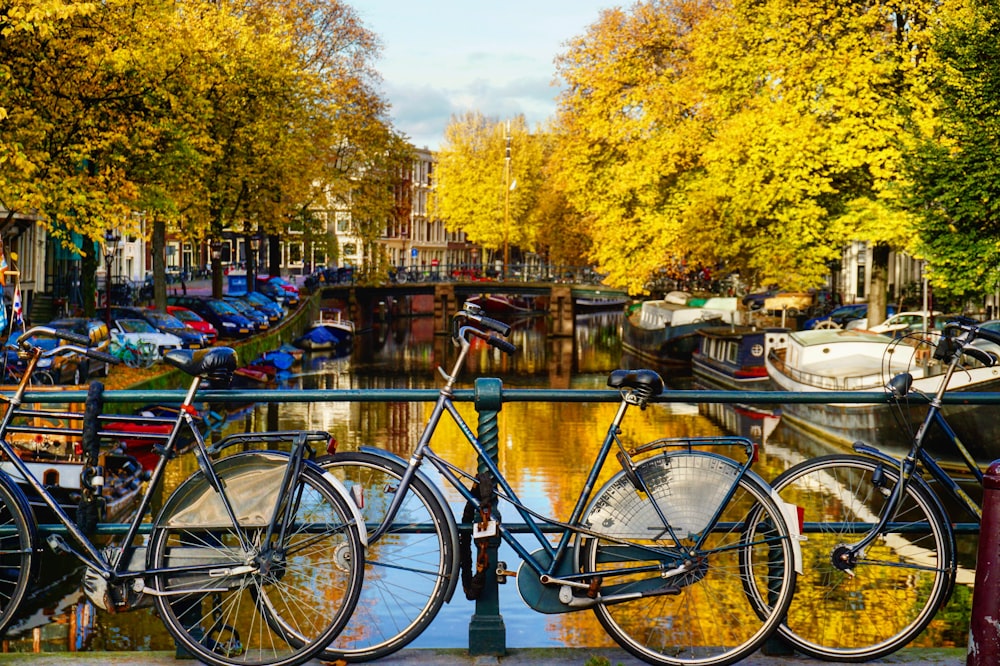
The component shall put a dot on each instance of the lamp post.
(216, 248)
(111, 241)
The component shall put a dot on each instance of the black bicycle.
(254, 559)
(879, 559)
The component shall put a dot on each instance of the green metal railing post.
(487, 632)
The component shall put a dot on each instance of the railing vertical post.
(984, 629)
(487, 632)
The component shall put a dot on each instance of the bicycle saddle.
(649, 381)
(215, 363)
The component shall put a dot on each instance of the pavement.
(461, 657)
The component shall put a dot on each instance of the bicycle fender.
(439, 496)
(251, 479)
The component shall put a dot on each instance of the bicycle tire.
(408, 575)
(701, 616)
(312, 582)
(18, 536)
(895, 591)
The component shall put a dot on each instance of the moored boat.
(856, 361)
(329, 332)
(665, 331)
(505, 303)
(731, 356)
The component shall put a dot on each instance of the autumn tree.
(489, 175)
(756, 136)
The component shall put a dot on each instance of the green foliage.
(955, 167)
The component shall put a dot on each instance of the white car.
(904, 323)
(134, 331)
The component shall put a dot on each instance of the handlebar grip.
(501, 344)
(494, 325)
(102, 356)
(75, 338)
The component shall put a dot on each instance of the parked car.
(289, 290)
(70, 367)
(842, 316)
(139, 331)
(228, 322)
(165, 323)
(271, 308)
(195, 322)
(261, 321)
(903, 323)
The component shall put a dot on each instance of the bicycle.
(250, 547)
(880, 559)
(141, 354)
(661, 552)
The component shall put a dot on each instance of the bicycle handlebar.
(974, 330)
(470, 321)
(78, 343)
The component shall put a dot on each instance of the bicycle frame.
(554, 570)
(918, 455)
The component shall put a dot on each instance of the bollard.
(487, 632)
(984, 625)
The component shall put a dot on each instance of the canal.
(545, 449)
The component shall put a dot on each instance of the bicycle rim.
(898, 585)
(409, 572)
(257, 605)
(16, 552)
(703, 615)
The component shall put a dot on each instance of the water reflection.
(546, 448)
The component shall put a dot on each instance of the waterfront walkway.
(460, 657)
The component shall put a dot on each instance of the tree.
(484, 192)
(758, 136)
(956, 163)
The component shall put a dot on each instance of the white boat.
(837, 360)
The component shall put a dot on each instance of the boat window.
(731, 351)
(50, 477)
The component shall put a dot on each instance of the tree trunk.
(159, 244)
(877, 298)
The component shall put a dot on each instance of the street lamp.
(111, 242)
(216, 246)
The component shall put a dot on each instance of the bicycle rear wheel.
(691, 602)
(409, 572)
(17, 548)
(894, 589)
(252, 602)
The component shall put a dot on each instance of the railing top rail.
(511, 395)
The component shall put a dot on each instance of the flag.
(16, 307)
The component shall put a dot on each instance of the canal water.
(545, 450)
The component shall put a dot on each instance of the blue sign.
(237, 283)
(413, 252)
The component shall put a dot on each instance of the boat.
(665, 331)
(731, 357)
(830, 360)
(329, 332)
(505, 303)
(595, 303)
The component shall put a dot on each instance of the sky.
(452, 56)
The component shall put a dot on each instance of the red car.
(194, 321)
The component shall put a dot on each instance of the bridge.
(560, 301)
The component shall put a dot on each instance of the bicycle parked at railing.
(249, 548)
(879, 559)
(135, 354)
(662, 552)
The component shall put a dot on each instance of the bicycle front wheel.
(409, 572)
(233, 598)
(17, 551)
(866, 609)
(691, 603)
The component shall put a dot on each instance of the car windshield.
(164, 320)
(186, 315)
(222, 308)
(135, 326)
